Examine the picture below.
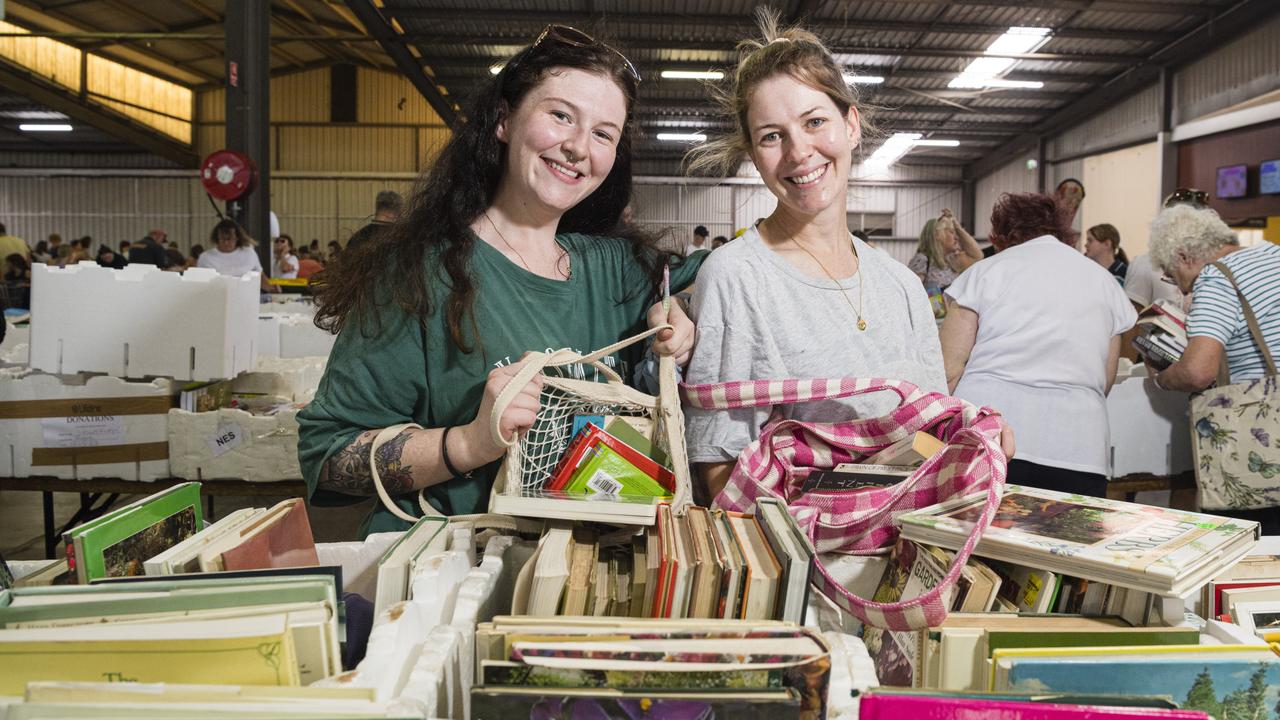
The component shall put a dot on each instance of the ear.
(501, 130)
(854, 122)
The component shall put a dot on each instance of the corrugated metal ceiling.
(918, 45)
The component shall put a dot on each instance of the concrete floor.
(22, 524)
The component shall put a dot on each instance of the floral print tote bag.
(1235, 433)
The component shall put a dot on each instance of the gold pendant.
(862, 324)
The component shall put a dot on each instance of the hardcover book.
(121, 544)
(897, 707)
(512, 703)
(1206, 678)
(282, 539)
(1153, 549)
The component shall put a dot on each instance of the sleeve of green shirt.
(373, 380)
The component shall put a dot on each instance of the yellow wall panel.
(1123, 188)
(347, 149)
(50, 59)
(139, 94)
(390, 98)
(430, 142)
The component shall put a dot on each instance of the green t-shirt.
(411, 373)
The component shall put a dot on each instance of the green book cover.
(605, 472)
(1025, 639)
(119, 546)
(622, 430)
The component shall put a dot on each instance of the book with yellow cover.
(249, 651)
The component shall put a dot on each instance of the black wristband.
(444, 454)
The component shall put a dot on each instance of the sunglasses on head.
(574, 37)
(1187, 196)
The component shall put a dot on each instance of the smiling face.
(801, 143)
(562, 140)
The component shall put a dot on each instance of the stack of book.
(696, 564)
(257, 630)
(1162, 334)
(587, 667)
(893, 704)
(164, 534)
(1053, 572)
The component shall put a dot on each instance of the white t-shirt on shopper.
(237, 262)
(1046, 316)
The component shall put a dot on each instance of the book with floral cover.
(1169, 552)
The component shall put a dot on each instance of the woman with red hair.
(1034, 332)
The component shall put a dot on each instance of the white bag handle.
(534, 363)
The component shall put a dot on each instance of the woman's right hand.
(516, 419)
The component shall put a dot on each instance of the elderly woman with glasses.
(510, 243)
(1192, 245)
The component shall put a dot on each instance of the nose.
(575, 145)
(798, 149)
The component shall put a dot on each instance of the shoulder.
(731, 263)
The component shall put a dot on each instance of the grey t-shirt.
(759, 317)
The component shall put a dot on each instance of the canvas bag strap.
(1250, 319)
(379, 440)
(535, 363)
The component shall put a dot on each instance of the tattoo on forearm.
(348, 472)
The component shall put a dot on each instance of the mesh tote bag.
(862, 521)
(529, 462)
(1235, 432)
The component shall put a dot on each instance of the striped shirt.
(1216, 310)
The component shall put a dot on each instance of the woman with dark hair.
(1034, 331)
(510, 243)
(17, 281)
(231, 250)
(109, 259)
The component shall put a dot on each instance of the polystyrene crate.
(1150, 430)
(231, 444)
(80, 428)
(143, 322)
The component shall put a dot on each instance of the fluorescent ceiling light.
(44, 127)
(892, 149)
(863, 79)
(496, 68)
(984, 70)
(692, 74)
(1002, 83)
(937, 143)
(683, 137)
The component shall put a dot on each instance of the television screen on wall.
(1233, 181)
(1269, 177)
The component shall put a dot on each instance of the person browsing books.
(797, 296)
(510, 243)
(1102, 245)
(1034, 332)
(1185, 243)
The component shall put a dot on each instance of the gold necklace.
(564, 257)
(862, 324)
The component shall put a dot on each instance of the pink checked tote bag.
(862, 521)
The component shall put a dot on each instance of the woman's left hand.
(677, 342)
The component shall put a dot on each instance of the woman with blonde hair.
(946, 249)
(797, 296)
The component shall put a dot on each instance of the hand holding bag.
(860, 522)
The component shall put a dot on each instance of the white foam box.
(16, 345)
(294, 379)
(288, 303)
(1150, 430)
(141, 321)
(268, 330)
(299, 337)
(80, 427)
(232, 444)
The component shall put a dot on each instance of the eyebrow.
(810, 111)
(576, 109)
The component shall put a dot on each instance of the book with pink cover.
(281, 539)
(923, 707)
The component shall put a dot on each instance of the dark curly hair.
(1019, 217)
(399, 264)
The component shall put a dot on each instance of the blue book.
(1218, 679)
